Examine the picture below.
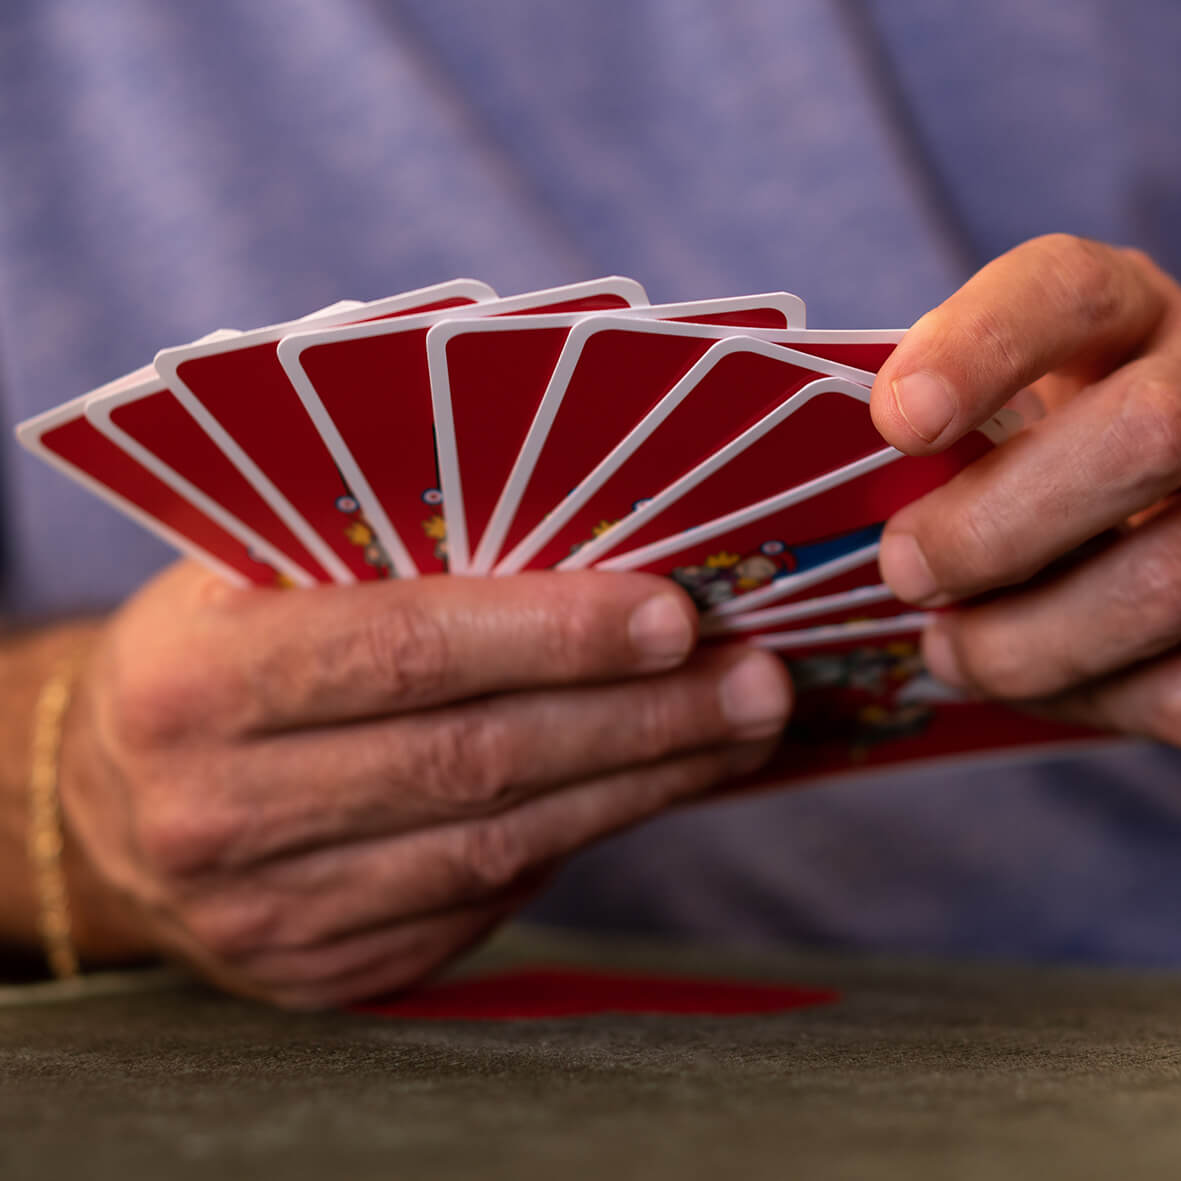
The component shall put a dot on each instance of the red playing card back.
(732, 396)
(620, 377)
(377, 392)
(537, 993)
(86, 448)
(496, 381)
(825, 433)
(252, 399)
(161, 424)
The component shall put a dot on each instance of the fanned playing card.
(730, 389)
(488, 378)
(240, 395)
(611, 374)
(867, 350)
(749, 548)
(148, 422)
(367, 390)
(69, 442)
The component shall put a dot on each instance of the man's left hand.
(1085, 339)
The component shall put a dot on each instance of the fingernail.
(926, 402)
(905, 568)
(660, 632)
(754, 696)
(940, 657)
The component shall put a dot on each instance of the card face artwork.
(366, 389)
(239, 394)
(865, 701)
(827, 567)
(751, 548)
(488, 378)
(734, 385)
(66, 440)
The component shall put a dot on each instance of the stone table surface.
(920, 1070)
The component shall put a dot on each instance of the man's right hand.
(317, 796)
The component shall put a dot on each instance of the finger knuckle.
(1080, 271)
(993, 343)
(664, 721)
(471, 762)
(1151, 271)
(1145, 431)
(574, 644)
(489, 856)
(152, 710)
(181, 836)
(407, 650)
(979, 553)
(1140, 259)
(1150, 594)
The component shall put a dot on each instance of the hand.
(317, 796)
(1089, 337)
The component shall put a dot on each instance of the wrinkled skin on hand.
(1087, 339)
(317, 796)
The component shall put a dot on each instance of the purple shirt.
(169, 169)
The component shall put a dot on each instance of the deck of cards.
(719, 443)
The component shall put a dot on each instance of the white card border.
(99, 406)
(294, 344)
(997, 429)
(750, 513)
(843, 633)
(792, 584)
(747, 621)
(488, 558)
(609, 541)
(168, 362)
(742, 342)
(28, 434)
(460, 560)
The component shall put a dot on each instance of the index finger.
(269, 660)
(1052, 304)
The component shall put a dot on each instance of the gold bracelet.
(46, 837)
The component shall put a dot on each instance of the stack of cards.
(719, 443)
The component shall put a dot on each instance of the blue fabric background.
(167, 169)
